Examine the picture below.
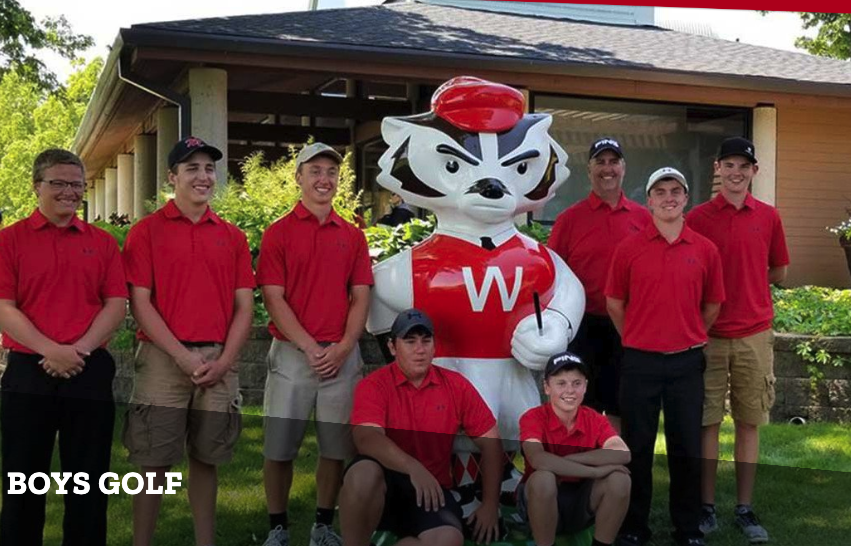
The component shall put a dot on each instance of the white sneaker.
(278, 537)
(324, 535)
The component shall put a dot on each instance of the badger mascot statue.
(477, 160)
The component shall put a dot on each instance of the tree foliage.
(23, 40)
(35, 119)
(833, 38)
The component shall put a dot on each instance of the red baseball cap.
(477, 105)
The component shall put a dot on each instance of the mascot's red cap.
(477, 105)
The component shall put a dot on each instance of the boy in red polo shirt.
(664, 291)
(740, 352)
(191, 292)
(315, 275)
(62, 295)
(585, 236)
(575, 474)
(405, 419)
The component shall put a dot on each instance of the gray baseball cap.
(317, 148)
(662, 174)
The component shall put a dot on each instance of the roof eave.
(149, 37)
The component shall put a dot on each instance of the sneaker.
(323, 535)
(693, 542)
(278, 537)
(708, 519)
(747, 521)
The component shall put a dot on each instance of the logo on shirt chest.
(479, 295)
(87, 251)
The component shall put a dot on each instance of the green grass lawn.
(803, 497)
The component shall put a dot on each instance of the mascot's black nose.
(489, 188)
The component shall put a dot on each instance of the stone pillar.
(208, 90)
(91, 199)
(100, 193)
(764, 186)
(167, 136)
(144, 173)
(111, 177)
(125, 185)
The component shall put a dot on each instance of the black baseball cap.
(603, 144)
(188, 146)
(737, 146)
(565, 360)
(408, 320)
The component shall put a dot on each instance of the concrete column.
(100, 194)
(91, 211)
(125, 185)
(111, 176)
(208, 89)
(167, 136)
(764, 186)
(144, 172)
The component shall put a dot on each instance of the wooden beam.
(287, 134)
(652, 85)
(238, 152)
(291, 104)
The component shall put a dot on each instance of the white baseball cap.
(663, 173)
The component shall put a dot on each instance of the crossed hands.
(202, 372)
(327, 361)
(65, 361)
(430, 497)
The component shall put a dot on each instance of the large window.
(652, 135)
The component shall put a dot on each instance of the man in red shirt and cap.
(62, 295)
(740, 352)
(192, 296)
(405, 419)
(664, 291)
(315, 274)
(575, 474)
(585, 236)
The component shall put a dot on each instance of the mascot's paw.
(531, 347)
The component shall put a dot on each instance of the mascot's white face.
(469, 178)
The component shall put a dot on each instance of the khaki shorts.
(294, 391)
(745, 366)
(168, 411)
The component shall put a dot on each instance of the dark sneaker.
(747, 521)
(708, 519)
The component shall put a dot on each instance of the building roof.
(415, 27)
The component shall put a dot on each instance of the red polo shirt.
(585, 236)
(192, 270)
(316, 264)
(590, 431)
(664, 286)
(750, 241)
(58, 277)
(422, 421)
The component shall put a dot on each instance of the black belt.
(199, 344)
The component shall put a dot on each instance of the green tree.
(22, 39)
(833, 38)
(35, 119)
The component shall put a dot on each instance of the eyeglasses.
(60, 185)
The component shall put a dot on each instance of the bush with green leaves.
(816, 311)
(385, 241)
